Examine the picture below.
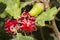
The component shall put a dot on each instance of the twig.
(58, 1)
(55, 29)
(46, 3)
(56, 18)
(58, 9)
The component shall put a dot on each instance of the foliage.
(13, 9)
(22, 37)
(48, 15)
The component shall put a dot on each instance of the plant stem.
(46, 4)
(58, 9)
(55, 29)
(56, 18)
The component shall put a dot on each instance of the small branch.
(55, 29)
(58, 9)
(46, 3)
(58, 1)
(56, 18)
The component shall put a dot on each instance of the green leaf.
(21, 37)
(3, 15)
(14, 6)
(46, 16)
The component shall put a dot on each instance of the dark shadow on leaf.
(27, 8)
(2, 7)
